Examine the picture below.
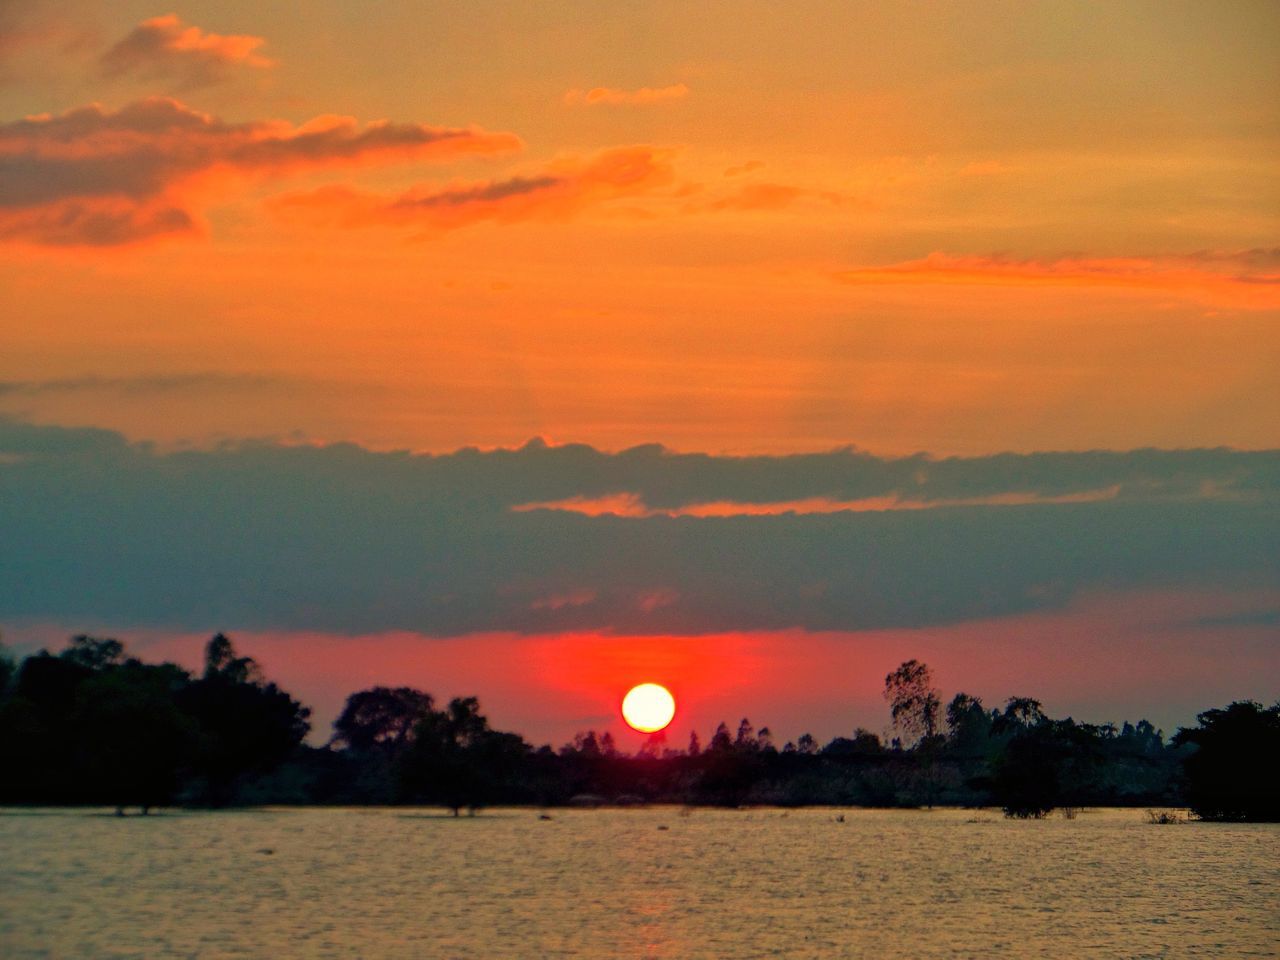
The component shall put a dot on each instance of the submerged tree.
(1233, 771)
(458, 761)
(133, 740)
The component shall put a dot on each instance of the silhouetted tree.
(245, 725)
(39, 748)
(93, 653)
(133, 740)
(456, 760)
(1233, 772)
(586, 745)
(745, 741)
(8, 670)
(695, 746)
(380, 718)
(1044, 765)
(720, 741)
(863, 743)
(1020, 713)
(914, 703)
(968, 730)
(653, 745)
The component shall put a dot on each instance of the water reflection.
(414, 885)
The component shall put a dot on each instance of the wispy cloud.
(770, 196)
(615, 97)
(98, 177)
(559, 191)
(1247, 279)
(163, 47)
(153, 385)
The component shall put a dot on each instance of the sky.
(535, 350)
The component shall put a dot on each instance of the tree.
(220, 660)
(961, 711)
(92, 653)
(456, 760)
(8, 670)
(914, 703)
(720, 742)
(1233, 769)
(1046, 764)
(380, 718)
(38, 740)
(132, 739)
(968, 727)
(244, 724)
(1020, 713)
(862, 744)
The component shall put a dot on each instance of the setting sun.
(648, 707)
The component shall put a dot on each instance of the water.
(417, 885)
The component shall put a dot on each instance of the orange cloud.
(739, 169)
(96, 177)
(771, 196)
(632, 506)
(558, 192)
(613, 97)
(163, 47)
(1248, 279)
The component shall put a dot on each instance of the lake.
(632, 883)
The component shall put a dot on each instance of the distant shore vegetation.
(92, 725)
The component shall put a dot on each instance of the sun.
(648, 707)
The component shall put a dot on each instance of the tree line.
(91, 725)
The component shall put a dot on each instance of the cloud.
(1249, 279)
(630, 505)
(772, 196)
(613, 97)
(98, 177)
(268, 536)
(559, 191)
(739, 169)
(163, 48)
(144, 386)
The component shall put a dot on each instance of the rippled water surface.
(657, 882)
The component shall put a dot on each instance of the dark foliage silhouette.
(1233, 771)
(245, 725)
(93, 725)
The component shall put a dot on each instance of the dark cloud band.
(344, 539)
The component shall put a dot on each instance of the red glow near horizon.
(548, 687)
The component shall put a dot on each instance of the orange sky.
(957, 227)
